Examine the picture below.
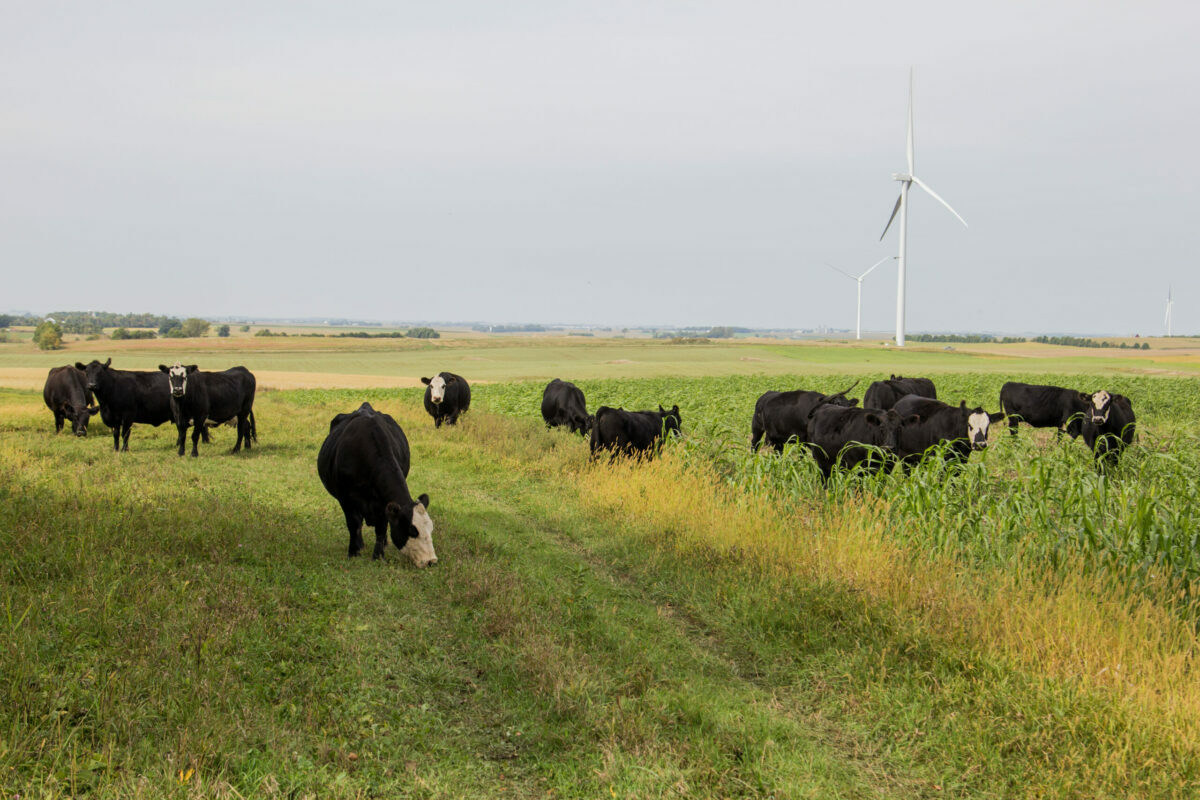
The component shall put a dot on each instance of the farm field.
(712, 624)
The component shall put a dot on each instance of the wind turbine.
(907, 179)
(1170, 303)
(859, 279)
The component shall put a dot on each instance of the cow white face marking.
(437, 389)
(420, 547)
(977, 429)
(177, 377)
(1101, 404)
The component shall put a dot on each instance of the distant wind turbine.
(1170, 303)
(859, 279)
(906, 180)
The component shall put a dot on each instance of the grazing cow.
(211, 398)
(632, 432)
(965, 429)
(563, 405)
(1109, 426)
(127, 397)
(364, 465)
(784, 416)
(885, 394)
(446, 396)
(1044, 407)
(66, 394)
(854, 436)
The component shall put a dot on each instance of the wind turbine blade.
(895, 211)
(872, 269)
(910, 121)
(847, 274)
(934, 194)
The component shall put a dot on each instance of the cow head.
(95, 370)
(1099, 404)
(671, 420)
(437, 387)
(888, 424)
(412, 530)
(177, 377)
(79, 417)
(978, 424)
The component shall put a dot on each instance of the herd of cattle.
(364, 461)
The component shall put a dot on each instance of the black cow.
(563, 405)
(965, 429)
(1044, 407)
(1109, 426)
(127, 397)
(784, 416)
(885, 394)
(364, 465)
(211, 398)
(854, 436)
(446, 397)
(632, 432)
(66, 394)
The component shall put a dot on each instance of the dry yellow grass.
(1081, 629)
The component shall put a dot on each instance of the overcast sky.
(639, 162)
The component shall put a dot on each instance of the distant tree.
(6, 320)
(194, 327)
(167, 325)
(720, 332)
(223, 331)
(48, 335)
(176, 333)
(244, 329)
(119, 333)
(125, 333)
(423, 333)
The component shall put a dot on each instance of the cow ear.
(999, 415)
(962, 404)
(675, 409)
(425, 381)
(192, 368)
(79, 365)
(164, 368)
(873, 418)
(854, 402)
(108, 363)
(1085, 397)
(424, 500)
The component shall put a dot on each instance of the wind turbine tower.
(859, 279)
(1170, 303)
(907, 179)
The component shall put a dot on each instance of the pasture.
(710, 624)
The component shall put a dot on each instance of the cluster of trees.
(411, 333)
(1075, 341)
(965, 338)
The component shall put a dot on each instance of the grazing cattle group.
(364, 461)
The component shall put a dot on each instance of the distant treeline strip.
(982, 338)
(411, 333)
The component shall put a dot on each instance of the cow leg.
(117, 437)
(197, 431)
(354, 522)
(126, 428)
(241, 434)
(437, 420)
(58, 422)
(182, 427)
(1012, 425)
(380, 539)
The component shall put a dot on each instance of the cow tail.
(253, 428)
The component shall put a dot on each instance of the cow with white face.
(965, 430)
(364, 464)
(1110, 427)
(446, 397)
(1099, 405)
(201, 399)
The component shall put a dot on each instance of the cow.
(784, 416)
(852, 436)
(364, 464)
(1108, 426)
(885, 394)
(67, 396)
(963, 429)
(632, 433)
(127, 397)
(211, 398)
(446, 397)
(1044, 407)
(563, 405)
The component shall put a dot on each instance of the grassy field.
(709, 625)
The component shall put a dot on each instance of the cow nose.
(81, 433)
(431, 562)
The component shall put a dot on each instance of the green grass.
(178, 627)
